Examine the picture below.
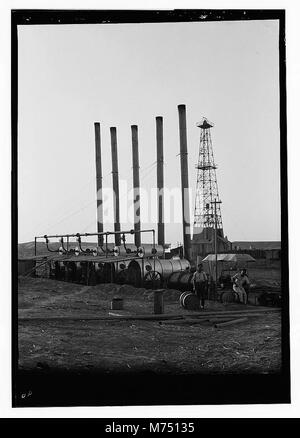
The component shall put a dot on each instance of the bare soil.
(253, 346)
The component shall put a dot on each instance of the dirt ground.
(253, 346)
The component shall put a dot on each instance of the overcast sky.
(73, 75)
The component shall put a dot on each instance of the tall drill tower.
(207, 214)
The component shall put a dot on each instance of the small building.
(270, 250)
(203, 243)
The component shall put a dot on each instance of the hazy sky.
(73, 75)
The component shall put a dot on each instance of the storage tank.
(139, 269)
(181, 281)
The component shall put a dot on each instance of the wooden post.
(215, 202)
(158, 301)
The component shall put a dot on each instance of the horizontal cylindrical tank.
(181, 281)
(138, 269)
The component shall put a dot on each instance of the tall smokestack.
(184, 181)
(99, 182)
(136, 184)
(160, 181)
(115, 180)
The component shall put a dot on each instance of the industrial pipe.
(136, 184)
(160, 181)
(115, 180)
(94, 234)
(146, 250)
(184, 182)
(99, 183)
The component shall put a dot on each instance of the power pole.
(214, 203)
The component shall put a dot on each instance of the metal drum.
(228, 297)
(182, 296)
(191, 302)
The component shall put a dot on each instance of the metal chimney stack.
(115, 181)
(136, 184)
(160, 181)
(99, 182)
(184, 181)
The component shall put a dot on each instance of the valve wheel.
(152, 276)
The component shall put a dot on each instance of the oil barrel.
(182, 297)
(185, 281)
(228, 297)
(191, 302)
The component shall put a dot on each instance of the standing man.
(199, 282)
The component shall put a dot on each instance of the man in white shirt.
(241, 283)
(245, 282)
(199, 281)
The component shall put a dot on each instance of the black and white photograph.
(150, 208)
